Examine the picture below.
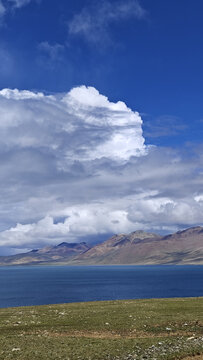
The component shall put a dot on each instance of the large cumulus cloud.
(80, 125)
(76, 164)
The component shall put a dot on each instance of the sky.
(101, 119)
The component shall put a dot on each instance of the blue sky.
(147, 54)
(153, 63)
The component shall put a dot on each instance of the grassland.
(113, 330)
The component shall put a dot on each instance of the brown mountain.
(183, 247)
(139, 247)
(51, 254)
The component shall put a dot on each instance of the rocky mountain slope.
(51, 254)
(183, 247)
(139, 247)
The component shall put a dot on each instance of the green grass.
(129, 329)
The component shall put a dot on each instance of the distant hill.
(51, 254)
(139, 247)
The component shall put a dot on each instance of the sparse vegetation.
(113, 330)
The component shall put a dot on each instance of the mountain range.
(138, 247)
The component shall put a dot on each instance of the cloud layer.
(11, 5)
(92, 23)
(76, 165)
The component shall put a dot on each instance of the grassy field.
(129, 329)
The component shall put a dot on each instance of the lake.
(39, 285)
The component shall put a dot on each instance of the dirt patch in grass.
(108, 335)
(197, 357)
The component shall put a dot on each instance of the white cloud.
(50, 54)
(20, 95)
(116, 129)
(75, 164)
(20, 3)
(165, 125)
(81, 221)
(11, 5)
(199, 198)
(93, 22)
(6, 62)
(166, 212)
(110, 130)
(113, 216)
(2, 9)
